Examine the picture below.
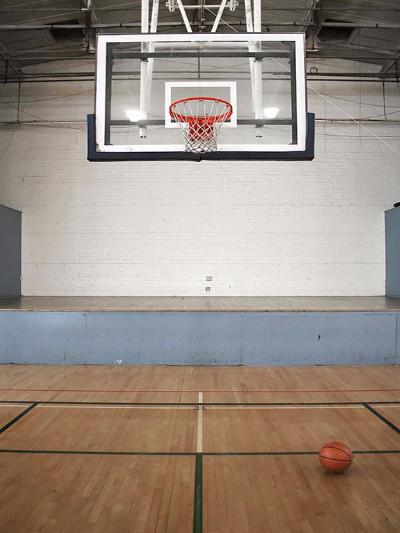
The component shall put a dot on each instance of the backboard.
(262, 75)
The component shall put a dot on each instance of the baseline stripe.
(185, 454)
(194, 404)
(196, 390)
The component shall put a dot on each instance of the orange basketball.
(335, 457)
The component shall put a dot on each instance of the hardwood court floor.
(197, 449)
(263, 304)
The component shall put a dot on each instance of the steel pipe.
(130, 7)
(16, 27)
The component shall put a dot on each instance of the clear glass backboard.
(262, 76)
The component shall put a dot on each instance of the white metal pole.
(150, 62)
(143, 66)
(184, 16)
(258, 96)
(249, 28)
(219, 15)
(154, 16)
(257, 16)
(249, 16)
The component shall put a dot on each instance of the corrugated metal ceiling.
(366, 31)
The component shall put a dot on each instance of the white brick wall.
(151, 228)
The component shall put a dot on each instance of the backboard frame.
(100, 148)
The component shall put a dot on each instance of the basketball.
(335, 457)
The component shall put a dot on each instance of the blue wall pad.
(199, 338)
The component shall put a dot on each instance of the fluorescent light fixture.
(271, 112)
(134, 115)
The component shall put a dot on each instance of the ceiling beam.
(90, 19)
(313, 16)
(128, 7)
(121, 25)
(10, 63)
(85, 56)
(392, 62)
(267, 75)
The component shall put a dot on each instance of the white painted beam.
(143, 66)
(249, 28)
(258, 98)
(219, 15)
(257, 15)
(184, 16)
(150, 62)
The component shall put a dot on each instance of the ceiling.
(44, 31)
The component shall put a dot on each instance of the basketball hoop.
(200, 119)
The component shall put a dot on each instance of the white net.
(200, 119)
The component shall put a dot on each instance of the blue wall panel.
(199, 338)
(42, 337)
(159, 338)
(320, 338)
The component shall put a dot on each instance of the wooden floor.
(202, 303)
(197, 449)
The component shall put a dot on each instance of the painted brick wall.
(258, 228)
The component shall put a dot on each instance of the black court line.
(355, 452)
(183, 454)
(18, 417)
(198, 495)
(17, 402)
(381, 417)
(97, 452)
(196, 404)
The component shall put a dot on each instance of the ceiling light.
(271, 112)
(134, 115)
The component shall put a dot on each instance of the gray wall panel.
(397, 341)
(10, 252)
(198, 338)
(392, 246)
